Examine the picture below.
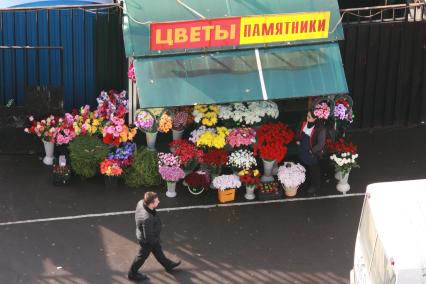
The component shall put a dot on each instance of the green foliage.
(144, 171)
(86, 153)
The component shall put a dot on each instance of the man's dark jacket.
(148, 224)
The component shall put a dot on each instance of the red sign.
(195, 34)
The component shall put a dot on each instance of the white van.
(391, 240)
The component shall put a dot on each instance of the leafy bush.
(86, 153)
(144, 171)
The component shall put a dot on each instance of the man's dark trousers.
(143, 254)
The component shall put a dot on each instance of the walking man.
(148, 228)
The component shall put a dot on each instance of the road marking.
(182, 208)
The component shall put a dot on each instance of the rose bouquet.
(291, 175)
(242, 159)
(238, 137)
(224, 182)
(343, 154)
(205, 114)
(188, 154)
(46, 129)
(272, 140)
(110, 168)
(198, 179)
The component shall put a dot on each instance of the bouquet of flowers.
(153, 120)
(343, 155)
(165, 123)
(214, 159)
(247, 114)
(213, 138)
(291, 175)
(169, 167)
(46, 129)
(205, 114)
(87, 122)
(115, 132)
(123, 155)
(224, 182)
(261, 112)
(66, 131)
(182, 116)
(272, 140)
(188, 154)
(238, 137)
(343, 110)
(112, 103)
(242, 159)
(249, 177)
(110, 168)
(198, 179)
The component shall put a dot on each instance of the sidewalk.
(26, 191)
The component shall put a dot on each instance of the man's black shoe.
(137, 276)
(173, 265)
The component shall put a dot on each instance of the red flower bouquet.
(215, 159)
(249, 177)
(110, 168)
(198, 179)
(340, 146)
(188, 154)
(272, 141)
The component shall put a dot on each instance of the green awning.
(244, 75)
(139, 14)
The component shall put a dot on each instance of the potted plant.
(170, 171)
(197, 182)
(226, 185)
(61, 174)
(143, 170)
(291, 176)
(250, 178)
(343, 155)
(111, 171)
(86, 153)
(241, 159)
(271, 146)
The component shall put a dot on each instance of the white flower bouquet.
(242, 159)
(344, 162)
(291, 175)
(224, 182)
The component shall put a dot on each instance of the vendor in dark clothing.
(311, 141)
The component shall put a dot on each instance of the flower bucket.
(290, 191)
(177, 134)
(151, 138)
(250, 192)
(111, 181)
(171, 189)
(227, 195)
(267, 171)
(49, 149)
(342, 184)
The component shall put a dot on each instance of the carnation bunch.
(188, 154)
(205, 114)
(224, 182)
(168, 160)
(291, 175)
(171, 174)
(242, 159)
(110, 168)
(272, 140)
(238, 137)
